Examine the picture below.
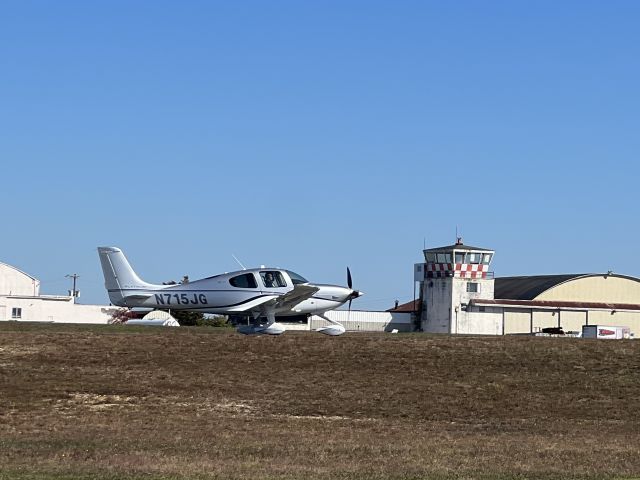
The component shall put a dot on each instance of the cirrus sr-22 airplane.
(260, 294)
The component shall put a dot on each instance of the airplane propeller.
(354, 293)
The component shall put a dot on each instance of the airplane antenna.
(239, 262)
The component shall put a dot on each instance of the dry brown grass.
(114, 402)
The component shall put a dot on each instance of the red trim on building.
(557, 304)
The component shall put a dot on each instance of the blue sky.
(316, 135)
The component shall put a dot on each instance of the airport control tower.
(449, 278)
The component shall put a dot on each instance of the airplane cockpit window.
(273, 279)
(296, 279)
(246, 280)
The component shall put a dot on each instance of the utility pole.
(74, 292)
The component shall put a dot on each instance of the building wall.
(15, 282)
(620, 319)
(437, 305)
(572, 321)
(601, 288)
(531, 321)
(517, 321)
(475, 322)
(445, 301)
(544, 319)
(362, 321)
(53, 309)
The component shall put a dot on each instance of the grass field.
(149, 402)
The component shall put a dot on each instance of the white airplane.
(260, 294)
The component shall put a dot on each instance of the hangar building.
(459, 294)
(20, 300)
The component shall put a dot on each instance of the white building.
(365, 321)
(401, 320)
(20, 300)
(460, 295)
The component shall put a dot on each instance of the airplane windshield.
(296, 279)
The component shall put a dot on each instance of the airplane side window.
(246, 280)
(273, 279)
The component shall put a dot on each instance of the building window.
(16, 313)
(472, 287)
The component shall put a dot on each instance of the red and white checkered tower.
(449, 278)
(457, 260)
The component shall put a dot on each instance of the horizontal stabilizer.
(137, 298)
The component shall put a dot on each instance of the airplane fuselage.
(231, 293)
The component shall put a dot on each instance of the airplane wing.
(278, 302)
(245, 307)
(290, 299)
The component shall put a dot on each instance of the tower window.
(442, 258)
(473, 258)
(472, 287)
(16, 313)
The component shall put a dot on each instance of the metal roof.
(528, 288)
(456, 246)
(412, 306)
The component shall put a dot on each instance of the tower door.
(3, 310)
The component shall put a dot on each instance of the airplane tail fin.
(120, 279)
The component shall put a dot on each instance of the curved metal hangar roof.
(528, 288)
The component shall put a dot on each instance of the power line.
(74, 292)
